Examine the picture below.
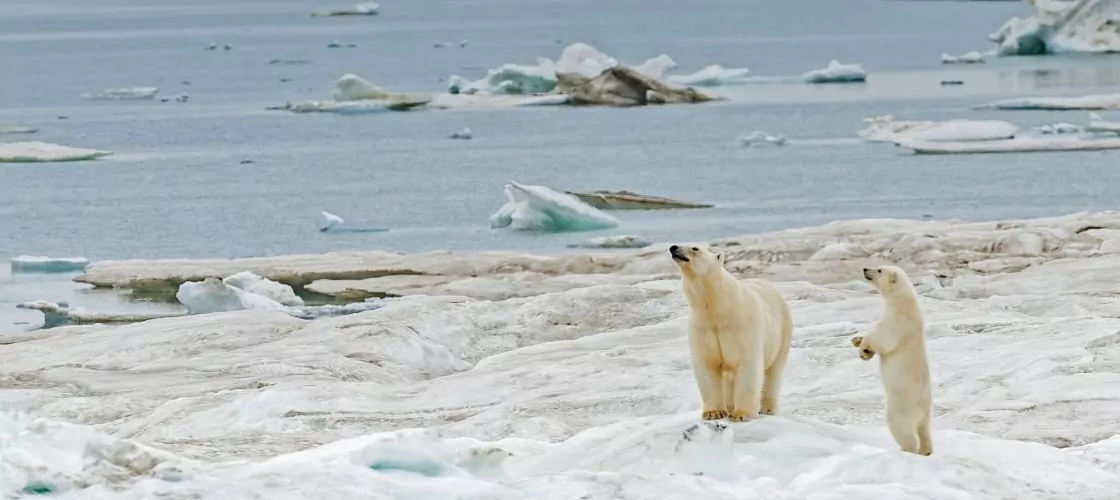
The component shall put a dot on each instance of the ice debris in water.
(332, 220)
(885, 129)
(620, 241)
(122, 94)
(836, 72)
(44, 264)
(759, 137)
(1061, 26)
(1059, 128)
(464, 134)
(1097, 125)
(35, 152)
(538, 208)
(966, 58)
(712, 76)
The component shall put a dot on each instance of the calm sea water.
(176, 186)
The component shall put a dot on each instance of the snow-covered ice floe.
(44, 264)
(886, 129)
(587, 392)
(712, 76)
(759, 137)
(1087, 102)
(1099, 126)
(123, 94)
(43, 152)
(966, 58)
(1062, 26)
(1018, 145)
(836, 72)
(620, 241)
(538, 208)
(362, 9)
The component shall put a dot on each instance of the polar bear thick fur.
(899, 340)
(738, 336)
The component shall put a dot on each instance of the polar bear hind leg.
(925, 441)
(904, 431)
(772, 387)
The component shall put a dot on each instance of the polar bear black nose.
(674, 248)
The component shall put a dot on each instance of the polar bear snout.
(869, 274)
(678, 254)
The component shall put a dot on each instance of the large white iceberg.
(539, 208)
(44, 264)
(1018, 145)
(1086, 102)
(836, 72)
(43, 152)
(886, 129)
(1062, 26)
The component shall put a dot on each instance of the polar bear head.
(888, 280)
(696, 261)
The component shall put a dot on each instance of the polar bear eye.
(880, 271)
(694, 249)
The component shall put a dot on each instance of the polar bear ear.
(894, 277)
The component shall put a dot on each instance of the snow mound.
(538, 208)
(759, 137)
(886, 129)
(712, 76)
(966, 58)
(212, 295)
(44, 152)
(123, 94)
(836, 72)
(1098, 126)
(44, 264)
(1019, 145)
(1088, 102)
(251, 283)
(1061, 26)
(621, 241)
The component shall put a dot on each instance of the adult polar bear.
(899, 340)
(738, 336)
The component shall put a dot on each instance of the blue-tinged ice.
(538, 208)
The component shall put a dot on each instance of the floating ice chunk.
(656, 67)
(621, 241)
(35, 151)
(13, 129)
(1099, 126)
(44, 264)
(123, 94)
(248, 282)
(464, 134)
(351, 87)
(538, 208)
(1020, 145)
(1087, 102)
(836, 72)
(712, 76)
(1059, 128)
(332, 220)
(966, 58)
(885, 129)
(362, 9)
(759, 137)
(1056, 27)
(212, 295)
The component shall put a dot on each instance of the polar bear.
(738, 336)
(899, 340)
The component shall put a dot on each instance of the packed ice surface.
(122, 94)
(620, 241)
(248, 282)
(1087, 102)
(1098, 126)
(1017, 145)
(330, 221)
(712, 76)
(43, 152)
(966, 58)
(578, 57)
(759, 137)
(213, 295)
(886, 129)
(1062, 26)
(587, 392)
(836, 72)
(538, 208)
(1059, 128)
(44, 264)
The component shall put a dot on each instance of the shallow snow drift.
(1018, 145)
(44, 152)
(1088, 102)
(44, 264)
(587, 391)
(836, 72)
(886, 129)
(538, 208)
(1060, 26)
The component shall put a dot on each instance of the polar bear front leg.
(747, 389)
(863, 342)
(711, 392)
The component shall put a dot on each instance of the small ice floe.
(1086, 102)
(712, 76)
(44, 264)
(621, 241)
(966, 58)
(1098, 126)
(465, 134)
(836, 72)
(362, 9)
(14, 129)
(1017, 145)
(332, 220)
(538, 208)
(122, 94)
(42, 152)
(337, 44)
(885, 129)
(1059, 128)
(759, 137)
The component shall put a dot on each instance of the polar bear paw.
(713, 415)
(742, 416)
(865, 353)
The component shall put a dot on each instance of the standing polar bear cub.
(738, 336)
(899, 340)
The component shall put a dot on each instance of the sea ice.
(351, 87)
(620, 241)
(1099, 126)
(759, 137)
(362, 9)
(1061, 26)
(966, 58)
(1018, 145)
(353, 94)
(212, 295)
(886, 129)
(1059, 128)
(1087, 102)
(836, 72)
(538, 208)
(123, 94)
(44, 264)
(36, 152)
(57, 314)
(15, 129)
(485, 99)
(712, 76)
(248, 282)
